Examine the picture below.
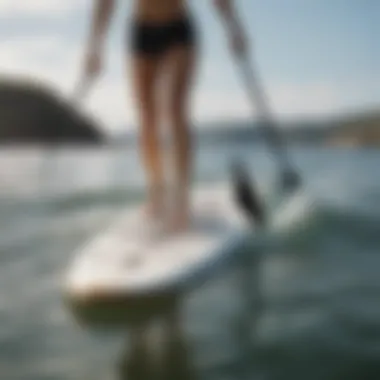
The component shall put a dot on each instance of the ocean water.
(319, 315)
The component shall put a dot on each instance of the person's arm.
(230, 17)
(239, 45)
(100, 22)
(94, 51)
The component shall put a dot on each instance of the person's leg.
(145, 73)
(181, 64)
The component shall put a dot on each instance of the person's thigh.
(144, 80)
(181, 66)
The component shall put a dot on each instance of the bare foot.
(154, 207)
(152, 210)
(180, 220)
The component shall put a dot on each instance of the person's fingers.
(93, 67)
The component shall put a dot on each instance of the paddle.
(246, 196)
(289, 179)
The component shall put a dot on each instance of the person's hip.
(149, 38)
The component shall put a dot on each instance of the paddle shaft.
(257, 98)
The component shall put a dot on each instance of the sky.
(314, 57)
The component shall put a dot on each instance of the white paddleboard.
(128, 271)
(128, 263)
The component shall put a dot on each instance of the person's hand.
(91, 69)
(93, 64)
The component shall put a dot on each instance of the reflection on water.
(160, 356)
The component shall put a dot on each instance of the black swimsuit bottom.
(157, 39)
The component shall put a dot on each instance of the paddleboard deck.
(128, 274)
(130, 270)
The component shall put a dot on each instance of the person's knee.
(178, 118)
(148, 128)
(148, 119)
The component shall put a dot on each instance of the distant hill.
(247, 132)
(361, 129)
(30, 113)
(358, 130)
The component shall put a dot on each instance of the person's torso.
(159, 10)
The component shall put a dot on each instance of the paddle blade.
(246, 195)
